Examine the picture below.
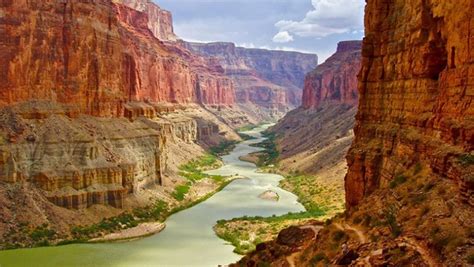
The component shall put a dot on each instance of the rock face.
(272, 79)
(416, 95)
(315, 137)
(160, 22)
(98, 55)
(62, 61)
(336, 79)
(86, 160)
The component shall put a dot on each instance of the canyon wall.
(86, 160)
(336, 79)
(317, 135)
(416, 91)
(95, 56)
(263, 77)
(160, 21)
(409, 185)
(63, 61)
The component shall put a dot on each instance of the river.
(188, 239)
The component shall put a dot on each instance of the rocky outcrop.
(95, 56)
(160, 21)
(336, 79)
(416, 89)
(266, 78)
(87, 160)
(409, 189)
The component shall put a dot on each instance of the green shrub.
(398, 180)
(42, 233)
(223, 148)
(467, 159)
(391, 221)
(180, 192)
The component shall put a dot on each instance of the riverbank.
(189, 224)
(142, 230)
(134, 221)
(322, 196)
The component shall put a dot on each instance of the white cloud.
(328, 17)
(283, 37)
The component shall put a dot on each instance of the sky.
(314, 26)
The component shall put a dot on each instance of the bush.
(42, 233)
(398, 180)
(180, 192)
(466, 159)
(418, 168)
(391, 221)
(223, 148)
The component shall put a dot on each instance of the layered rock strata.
(409, 189)
(271, 79)
(416, 87)
(64, 52)
(87, 160)
(336, 79)
(316, 136)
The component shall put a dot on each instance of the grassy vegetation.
(270, 155)
(42, 234)
(193, 171)
(246, 232)
(223, 148)
(156, 212)
(320, 202)
(247, 127)
(398, 180)
(467, 159)
(245, 136)
(181, 191)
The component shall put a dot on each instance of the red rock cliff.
(336, 79)
(160, 22)
(266, 78)
(98, 55)
(416, 94)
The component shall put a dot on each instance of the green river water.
(188, 239)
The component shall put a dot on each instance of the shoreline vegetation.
(322, 202)
(145, 221)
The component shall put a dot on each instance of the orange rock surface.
(335, 81)
(271, 79)
(416, 94)
(98, 55)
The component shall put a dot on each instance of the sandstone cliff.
(97, 56)
(271, 79)
(416, 94)
(336, 79)
(409, 189)
(160, 21)
(316, 136)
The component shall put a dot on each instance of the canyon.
(265, 78)
(101, 103)
(408, 187)
(109, 121)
